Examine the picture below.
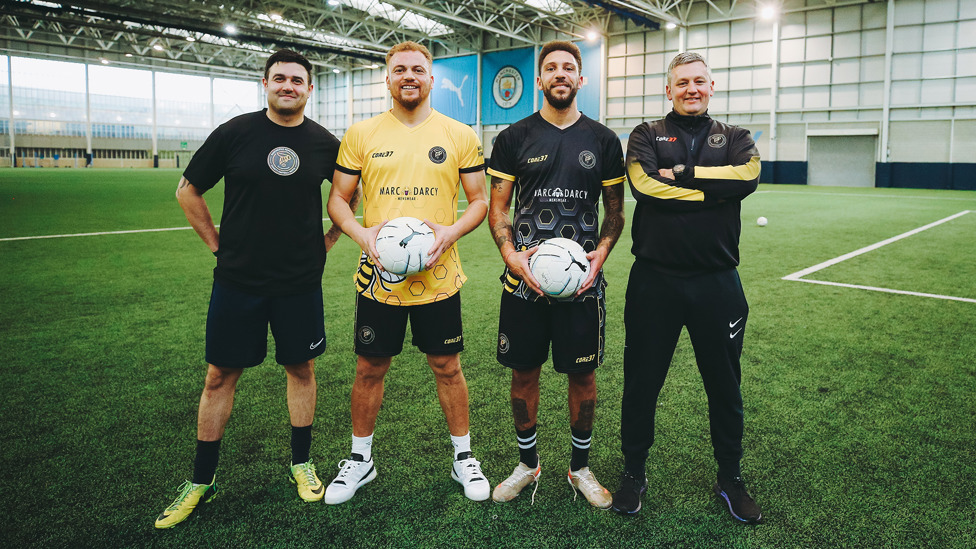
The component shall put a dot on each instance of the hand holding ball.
(402, 245)
(560, 266)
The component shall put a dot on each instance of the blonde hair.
(409, 46)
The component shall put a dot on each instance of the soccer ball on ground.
(560, 266)
(402, 245)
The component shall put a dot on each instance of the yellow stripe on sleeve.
(649, 186)
(500, 175)
(746, 172)
(615, 181)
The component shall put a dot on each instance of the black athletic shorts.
(436, 327)
(575, 329)
(237, 327)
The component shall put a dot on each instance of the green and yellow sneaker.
(190, 496)
(310, 488)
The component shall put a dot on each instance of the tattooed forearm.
(613, 221)
(586, 412)
(502, 233)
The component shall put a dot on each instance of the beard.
(560, 103)
(413, 102)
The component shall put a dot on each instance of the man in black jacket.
(689, 174)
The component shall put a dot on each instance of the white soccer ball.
(560, 266)
(762, 221)
(402, 245)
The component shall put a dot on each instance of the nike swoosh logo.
(314, 345)
(735, 333)
(732, 324)
(319, 490)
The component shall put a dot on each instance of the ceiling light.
(592, 35)
(337, 71)
(104, 61)
(374, 66)
(230, 29)
(190, 39)
(768, 12)
(128, 55)
(158, 47)
(671, 25)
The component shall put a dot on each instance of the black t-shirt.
(559, 176)
(271, 237)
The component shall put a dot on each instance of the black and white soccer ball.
(402, 245)
(560, 266)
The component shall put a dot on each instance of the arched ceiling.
(340, 34)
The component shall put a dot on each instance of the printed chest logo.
(507, 87)
(666, 138)
(716, 141)
(437, 155)
(587, 160)
(283, 161)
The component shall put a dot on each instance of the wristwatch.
(678, 170)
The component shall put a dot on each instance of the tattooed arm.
(613, 226)
(501, 230)
(197, 213)
(334, 232)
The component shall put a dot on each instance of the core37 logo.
(668, 139)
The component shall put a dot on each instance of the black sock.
(205, 463)
(581, 449)
(527, 449)
(301, 444)
(635, 466)
(729, 470)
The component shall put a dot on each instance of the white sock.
(461, 443)
(363, 446)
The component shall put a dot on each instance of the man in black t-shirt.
(270, 257)
(557, 163)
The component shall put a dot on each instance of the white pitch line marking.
(798, 276)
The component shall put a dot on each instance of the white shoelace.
(513, 480)
(587, 482)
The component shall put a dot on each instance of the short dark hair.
(287, 56)
(685, 58)
(561, 45)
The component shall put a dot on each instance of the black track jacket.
(690, 226)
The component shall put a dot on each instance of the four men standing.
(688, 173)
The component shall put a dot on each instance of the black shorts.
(237, 327)
(436, 327)
(575, 329)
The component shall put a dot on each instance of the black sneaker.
(627, 498)
(740, 503)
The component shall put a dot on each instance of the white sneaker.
(353, 473)
(522, 476)
(467, 471)
(584, 481)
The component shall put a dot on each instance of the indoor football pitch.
(859, 382)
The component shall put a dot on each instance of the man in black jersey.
(270, 257)
(689, 174)
(556, 163)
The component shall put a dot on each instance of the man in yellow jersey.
(409, 160)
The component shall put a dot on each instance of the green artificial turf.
(859, 404)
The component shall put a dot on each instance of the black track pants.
(714, 309)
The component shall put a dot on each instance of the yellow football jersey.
(410, 172)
